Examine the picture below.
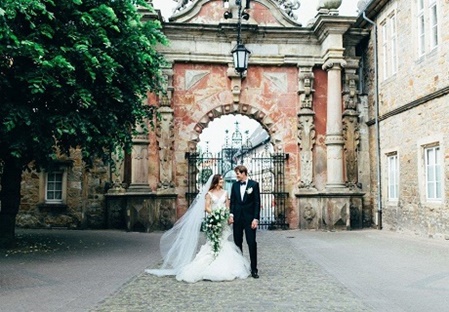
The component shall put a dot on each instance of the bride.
(179, 244)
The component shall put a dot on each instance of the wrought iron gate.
(266, 168)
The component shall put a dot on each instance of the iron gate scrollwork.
(266, 168)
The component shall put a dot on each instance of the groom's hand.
(254, 224)
(231, 220)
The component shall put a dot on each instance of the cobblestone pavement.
(288, 282)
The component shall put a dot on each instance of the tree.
(73, 73)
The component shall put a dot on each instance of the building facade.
(412, 94)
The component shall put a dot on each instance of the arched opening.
(234, 139)
(231, 140)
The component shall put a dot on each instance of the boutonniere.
(249, 190)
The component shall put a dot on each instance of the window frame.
(393, 176)
(389, 35)
(437, 175)
(433, 25)
(57, 187)
(59, 168)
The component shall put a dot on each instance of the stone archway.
(250, 111)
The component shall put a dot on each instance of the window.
(389, 49)
(433, 24)
(393, 177)
(433, 173)
(427, 25)
(53, 190)
(421, 29)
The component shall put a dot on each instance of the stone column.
(334, 135)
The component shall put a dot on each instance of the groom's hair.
(241, 169)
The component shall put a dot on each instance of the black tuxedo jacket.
(248, 209)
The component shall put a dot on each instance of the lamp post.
(240, 54)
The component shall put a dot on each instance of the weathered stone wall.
(84, 206)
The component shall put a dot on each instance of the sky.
(306, 12)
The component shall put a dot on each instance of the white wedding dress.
(229, 264)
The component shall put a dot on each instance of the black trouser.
(250, 235)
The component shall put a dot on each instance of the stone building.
(312, 89)
(411, 142)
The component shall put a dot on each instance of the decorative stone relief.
(335, 213)
(306, 80)
(350, 92)
(165, 140)
(165, 98)
(193, 77)
(306, 138)
(116, 171)
(351, 127)
(279, 80)
(351, 135)
(309, 213)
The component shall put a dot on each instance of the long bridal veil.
(179, 244)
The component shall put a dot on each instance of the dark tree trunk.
(10, 201)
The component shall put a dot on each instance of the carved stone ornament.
(288, 6)
(309, 213)
(306, 138)
(306, 90)
(165, 140)
(350, 92)
(351, 136)
(182, 4)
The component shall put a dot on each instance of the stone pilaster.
(351, 129)
(165, 136)
(139, 163)
(165, 140)
(306, 129)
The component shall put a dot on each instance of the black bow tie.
(242, 182)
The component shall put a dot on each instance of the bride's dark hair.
(215, 180)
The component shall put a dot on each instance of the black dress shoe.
(254, 275)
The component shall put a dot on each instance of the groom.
(245, 213)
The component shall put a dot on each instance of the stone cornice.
(329, 24)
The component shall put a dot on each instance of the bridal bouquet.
(214, 224)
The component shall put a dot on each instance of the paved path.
(365, 270)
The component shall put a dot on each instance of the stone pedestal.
(330, 211)
(141, 212)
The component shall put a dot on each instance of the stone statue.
(181, 5)
(290, 6)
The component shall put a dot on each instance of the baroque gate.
(300, 86)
